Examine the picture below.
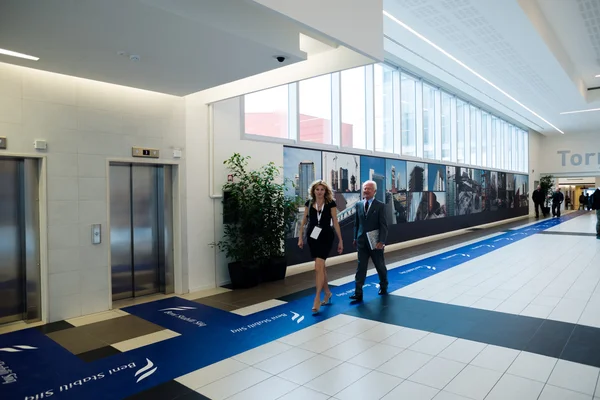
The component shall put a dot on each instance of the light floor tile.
(304, 393)
(550, 301)
(211, 373)
(532, 366)
(375, 356)
(310, 369)
(443, 395)
(302, 336)
(515, 387)
(262, 353)
(279, 363)
(233, 384)
(405, 364)
(336, 322)
(432, 344)
(462, 350)
(405, 338)
(496, 358)
(357, 327)
(474, 382)
(411, 390)
(465, 300)
(265, 305)
(537, 311)
(145, 340)
(270, 389)
(380, 332)
(555, 393)
(90, 319)
(371, 386)
(349, 349)
(325, 342)
(337, 379)
(574, 376)
(437, 373)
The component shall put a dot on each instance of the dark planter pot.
(244, 275)
(273, 269)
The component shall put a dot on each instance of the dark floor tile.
(583, 346)
(119, 329)
(166, 391)
(76, 340)
(192, 396)
(551, 338)
(98, 354)
(298, 295)
(566, 233)
(54, 327)
(216, 304)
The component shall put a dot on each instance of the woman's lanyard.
(319, 213)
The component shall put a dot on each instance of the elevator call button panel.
(147, 153)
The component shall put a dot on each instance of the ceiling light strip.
(20, 55)
(450, 56)
(580, 111)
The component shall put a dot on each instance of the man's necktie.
(366, 206)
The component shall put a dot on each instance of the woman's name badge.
(315, 232)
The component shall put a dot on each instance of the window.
(408, 108)
(315, 110)
(354, 108)
(384, 108)
(428, 122)
(475, 127)
(526, 151)
(446, 125)
(484, 132)
(494, 143)
(266, 113)
(460, 130)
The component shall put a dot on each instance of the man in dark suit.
(369, 216)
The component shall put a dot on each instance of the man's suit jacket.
(374, 219)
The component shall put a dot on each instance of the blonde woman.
(320, 211)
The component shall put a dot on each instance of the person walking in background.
(596, 206)
(538, 200)
(582, 201)
(370, 234)
(321, 213)
(557, 199)
(588, 202)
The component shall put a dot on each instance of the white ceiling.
(543, 53)
(184, 45)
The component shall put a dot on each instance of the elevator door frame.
(29, 175)
(164, 177)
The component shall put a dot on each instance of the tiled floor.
(517, 323)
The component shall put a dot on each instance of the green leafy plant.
(258, 214)
(546, 183)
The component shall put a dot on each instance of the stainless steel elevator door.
(11, 243)
(140, 230)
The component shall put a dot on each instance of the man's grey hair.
(371, 182)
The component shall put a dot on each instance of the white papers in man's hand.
(373, 238)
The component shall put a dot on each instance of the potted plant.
(257, 217)
(546, 183)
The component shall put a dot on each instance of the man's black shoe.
(355, 297)
(383, 292)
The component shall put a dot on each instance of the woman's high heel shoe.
(327, 299)
(316, 307)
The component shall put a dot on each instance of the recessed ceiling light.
(580, 111)
(465, 66)
(597, 76)
(20, 55)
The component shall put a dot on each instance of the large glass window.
(315, 109)
(446, 125)
(266, 113)
(384, 108)
(475, 127)
(484, 132)
(354, 108)
(409, 100)
(494, 142)
(460, 131)
(428, 122)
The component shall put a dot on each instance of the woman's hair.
(328, 193)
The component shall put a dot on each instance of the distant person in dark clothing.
(557, 199)
(538, 200)
(582, 202)
(589, 201)
(596, 206)
(567, 202)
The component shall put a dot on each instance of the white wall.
(85, 124)
(356, 23)
(206, 173)
(571, 155)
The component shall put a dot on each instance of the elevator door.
(141, 230)
(19, 240)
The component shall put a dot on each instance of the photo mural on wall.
(421, 199)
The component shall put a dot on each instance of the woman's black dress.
(320, 247)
